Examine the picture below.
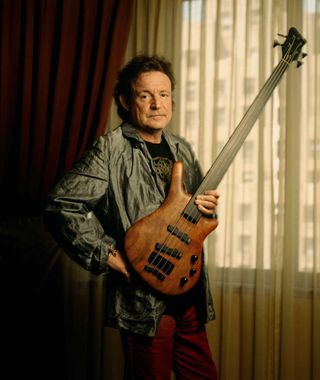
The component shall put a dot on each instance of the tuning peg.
(299, 63)
(276, 43)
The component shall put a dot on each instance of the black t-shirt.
(162, 160)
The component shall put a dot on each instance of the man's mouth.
(157, 116)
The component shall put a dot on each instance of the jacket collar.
(132, 133)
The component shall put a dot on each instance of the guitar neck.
(236, 140)
(231, 148)
(291, 50)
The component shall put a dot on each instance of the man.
(122, 178)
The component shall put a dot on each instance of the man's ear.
(124, 102)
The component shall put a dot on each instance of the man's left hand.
(208, 202)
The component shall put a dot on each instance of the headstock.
(291, 47)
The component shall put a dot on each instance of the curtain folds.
(58, 62)
(58, 66)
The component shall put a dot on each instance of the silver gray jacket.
(92, 206)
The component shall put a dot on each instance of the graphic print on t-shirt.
(162, 160)
(163, 168)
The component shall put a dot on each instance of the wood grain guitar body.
(165, 247)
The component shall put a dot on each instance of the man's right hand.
(117, 262)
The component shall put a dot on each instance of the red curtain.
(58, 60)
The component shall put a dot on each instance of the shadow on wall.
(31, 307)
(52, 324)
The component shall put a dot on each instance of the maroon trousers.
(180, 344)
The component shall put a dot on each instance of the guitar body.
(169, 259)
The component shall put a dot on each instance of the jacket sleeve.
(70, 210)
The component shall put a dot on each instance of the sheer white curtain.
(264, 256)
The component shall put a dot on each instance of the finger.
(214, 193)
(206, 211)
(116, 262)
(208, 204)
(127, 276)
(200, 199)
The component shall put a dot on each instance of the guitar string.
(271, 84)
(248, 119)
(187, 224)
(252, 117)
(187, 221)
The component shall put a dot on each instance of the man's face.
(151, 103)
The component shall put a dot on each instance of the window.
(192, 91)
(245, 211)
(250, 86)
(224, 91)
(192, 58)
(223, 74)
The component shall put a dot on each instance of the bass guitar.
(165, 247)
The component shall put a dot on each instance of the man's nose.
(156, 102)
